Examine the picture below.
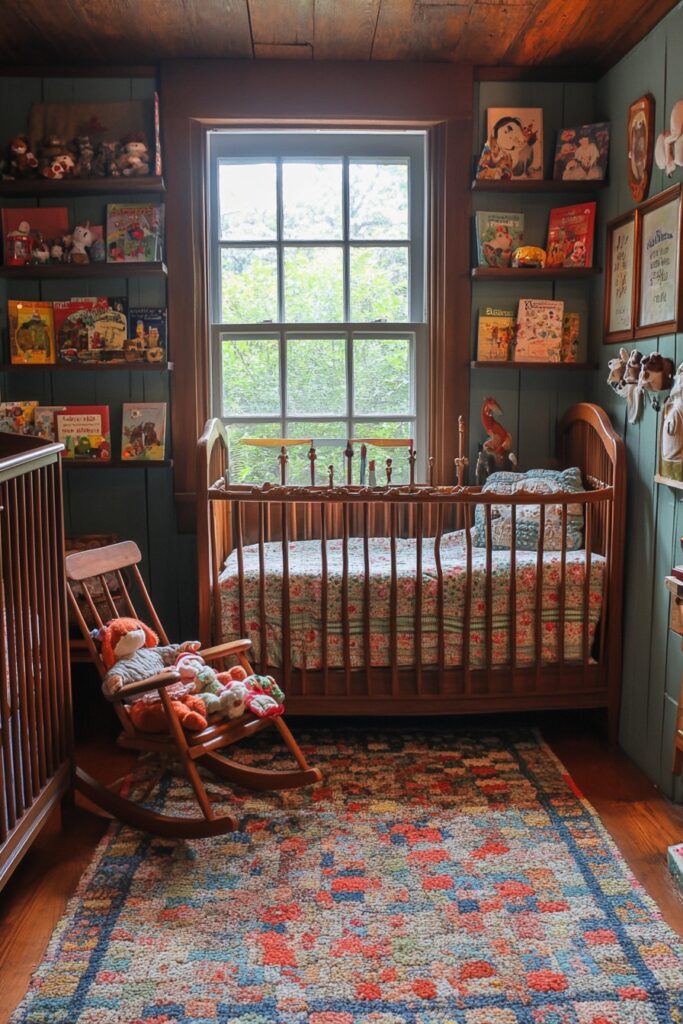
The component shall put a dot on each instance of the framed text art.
(640, 140)
(620, 276)
(658, 239)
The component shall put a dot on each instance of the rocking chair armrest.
(224, 650)
(156, 682)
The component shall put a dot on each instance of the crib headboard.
(587, 439)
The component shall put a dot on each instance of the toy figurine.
(53, 151)
(23, 163)
(98, 253)
(41, 253)
(85, 157)
(105, 163)
(134, 157)
(499, 443)
(81, 239)
(19, 245)
(56, 252)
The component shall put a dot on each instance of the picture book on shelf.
(17, 417)
(143, 433)
(135, 232)
(571, 337)
(44, 421)
(108, 330)
(84, 432)
(497, 236)
(581, 153)
(538, 337)
(45, 223)
(31, 332)
(147, 334)
(570, 236)
(495, 333)
(73, 319)
(514, 144)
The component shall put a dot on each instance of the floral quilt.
(305, 592)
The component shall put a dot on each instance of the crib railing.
(243, 516)
(35, 692)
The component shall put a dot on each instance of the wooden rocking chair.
(91, 574)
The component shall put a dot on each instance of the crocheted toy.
(207, 684)
(229, 694)
(130, 652)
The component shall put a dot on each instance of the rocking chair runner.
(88, 573)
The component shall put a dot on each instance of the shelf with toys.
(535, 273)
(512, 364)
(129, 367)
(47, 271)
(46, 188)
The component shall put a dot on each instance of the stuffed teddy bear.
(134, 158)
(22, 161)
(130, 652)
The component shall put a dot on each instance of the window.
(317, 295)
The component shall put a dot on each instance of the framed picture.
(514, 144)
(640, 140)
(581, 153)
(620, 266)
(658, 242)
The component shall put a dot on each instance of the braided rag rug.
(433, 878)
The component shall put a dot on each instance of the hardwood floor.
(640, 820)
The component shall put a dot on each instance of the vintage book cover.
(581, 153)
(31, 331)
(108, 331)
(570, 236)
(514, 144)
(17, 417)
(84, 432)
(495, 333)
(46, 223)
(44, 421)
(497, 236)
(147, 334)
(143, 432)
(538, 336)
(135, 232)
(73, 319)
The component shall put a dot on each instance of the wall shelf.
(85, 367)
(534, 273)
(117, 463)
(541, 185)
(510, 364)
(52, 271)
(71, 187)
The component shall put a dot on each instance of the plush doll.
(81, 240)
(149, 715)
(207, 685)
(23, 163)
(85, 157)
(130, 651)
(134, 158)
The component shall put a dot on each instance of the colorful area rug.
(434, 878)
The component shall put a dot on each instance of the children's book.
(495, 333)
(146, 334)
(84, 432)
(17, 417)
(581, 153)
(46, 223)
(143, 434)
(497, 237)
(571, 334)
(108, 331)
(514, 143)
(539, 331)
(31, 331)
(135, 232)
(44, 421)
(73, 321)
(570, 236)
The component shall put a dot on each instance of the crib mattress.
(305, 609)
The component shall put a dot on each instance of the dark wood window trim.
(199, 95)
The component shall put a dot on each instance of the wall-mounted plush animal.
(669, 144)
(656, 372)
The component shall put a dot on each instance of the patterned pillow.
(539, 481)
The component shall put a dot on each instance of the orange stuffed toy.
(148, 715)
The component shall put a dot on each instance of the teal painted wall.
(653, 662)
(133, 503)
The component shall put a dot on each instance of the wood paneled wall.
(653, 662)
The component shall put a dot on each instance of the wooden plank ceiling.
(584, 34)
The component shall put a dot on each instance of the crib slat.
(488, 597)
(286, 631)
(29, 763)
(606, 569)
(59, 625)
(346, 628)
(7, 700)
(393, 602)
(467, 624)
(440, 640)
(18, 720)
(418, 597)
(323, 593)
(513, 594)
(366, 598)
(47, 611)
(563, 588)
(540, 545)
(587, 592)
(240, 561)
(38, 673)
(263, 626)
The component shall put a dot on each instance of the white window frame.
(373, 145)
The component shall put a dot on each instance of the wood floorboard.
(639, 819)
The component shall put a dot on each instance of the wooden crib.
(35, 692)
(487, 667)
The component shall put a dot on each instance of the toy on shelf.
(22, 162)
(78, 244)
(531, 256)
(498, 447)
(134, 157)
